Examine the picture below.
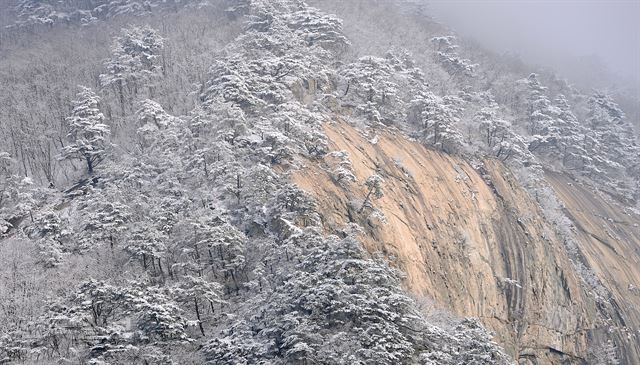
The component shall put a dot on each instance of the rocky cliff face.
(476, 242)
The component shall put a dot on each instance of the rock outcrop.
(475, 241)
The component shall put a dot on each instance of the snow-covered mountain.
(270, 182)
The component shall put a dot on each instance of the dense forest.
(147, 215)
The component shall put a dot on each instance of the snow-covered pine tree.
(571, 135)
(447, 56)
(374, 190)
(614, 145)
(435, 119)
(134, 63)
(318, 28)
(493, 129)
(200, 293)
(540, 112)
(88, 133)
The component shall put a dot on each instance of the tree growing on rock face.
(87, 131)
(374, 190)
(342, 169)
(294, 205)
(514, 146)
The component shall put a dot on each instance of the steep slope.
(609, 239)
(474, 240)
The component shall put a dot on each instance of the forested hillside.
(173, 190)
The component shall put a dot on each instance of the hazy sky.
(552, 32)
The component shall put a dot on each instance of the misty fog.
(594, 43)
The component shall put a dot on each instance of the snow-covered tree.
(224, 245)
(147, 244)
(52, 235)
(540, 113)
(157, 316)
(16, 200)
(318, 28)
(292, 205)
(104, 218)
(198, 291)
(493, 129)
(342, 169)
(374, 190)
(571, 135)
(237, 345)
(608, 122)
(88, 134)
(134, 61)
(6, 164)
(610, 141)
(369, 87)
(514, 146)
(7, 187)
(152, 120)
(447, 56)
(436, 119)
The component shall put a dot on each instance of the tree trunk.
(366, 200)
(121, 94)
(160, 268)
(235, 282)
(195, 301)
(89, 165)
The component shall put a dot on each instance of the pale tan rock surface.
(477, 243)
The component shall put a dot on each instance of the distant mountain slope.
(51, 13)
